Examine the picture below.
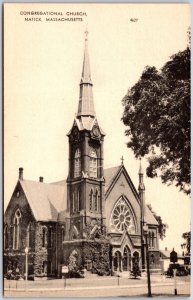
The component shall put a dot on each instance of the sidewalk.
(92, 287)
(91, 283)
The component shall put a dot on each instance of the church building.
(95, 216)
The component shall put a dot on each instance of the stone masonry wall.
(45, 260)
(15, 258)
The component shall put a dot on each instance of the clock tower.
(85, 182)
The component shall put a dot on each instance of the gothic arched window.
(126, 259)
(153, 240)
(122, 218)
(96, 201)
(29, 236)
(91, 199)
(78, 201)
(17, 228)
(93, 164)
(77, 163)
(150, 240)
(73, 202)
(63, 232)
(44, 237)
(50, 237)
(6, 237)
(117, 261)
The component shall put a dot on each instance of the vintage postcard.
(96, 150)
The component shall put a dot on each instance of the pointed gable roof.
(46, 200)
(111, 175)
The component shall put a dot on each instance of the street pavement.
(97, 287)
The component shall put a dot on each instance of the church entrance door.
(126, 259)
(117, 261)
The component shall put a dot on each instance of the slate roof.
(109, 175)
(149, 217)
(85, 123)
(48, 201)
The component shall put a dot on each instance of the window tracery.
(122, 218)
(93, 163)
(16, 231)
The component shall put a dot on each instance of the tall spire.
(86, 104)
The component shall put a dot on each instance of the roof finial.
(122, 159)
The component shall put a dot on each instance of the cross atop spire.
(86, 104)
(122, 160)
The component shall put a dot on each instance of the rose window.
(121, 218)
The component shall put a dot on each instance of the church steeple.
(85, 182)
(86, 104)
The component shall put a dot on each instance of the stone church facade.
(96, 214)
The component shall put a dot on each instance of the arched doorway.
(126, 259)
(117, 261)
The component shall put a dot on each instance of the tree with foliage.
(161, 226)
(136, 270)
(75, 269)
(157, 116)
(187, 245)
(72, 266)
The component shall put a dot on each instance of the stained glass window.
(122, 218)
(16, 231)
(93, 163)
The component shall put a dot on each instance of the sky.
(42, 70)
